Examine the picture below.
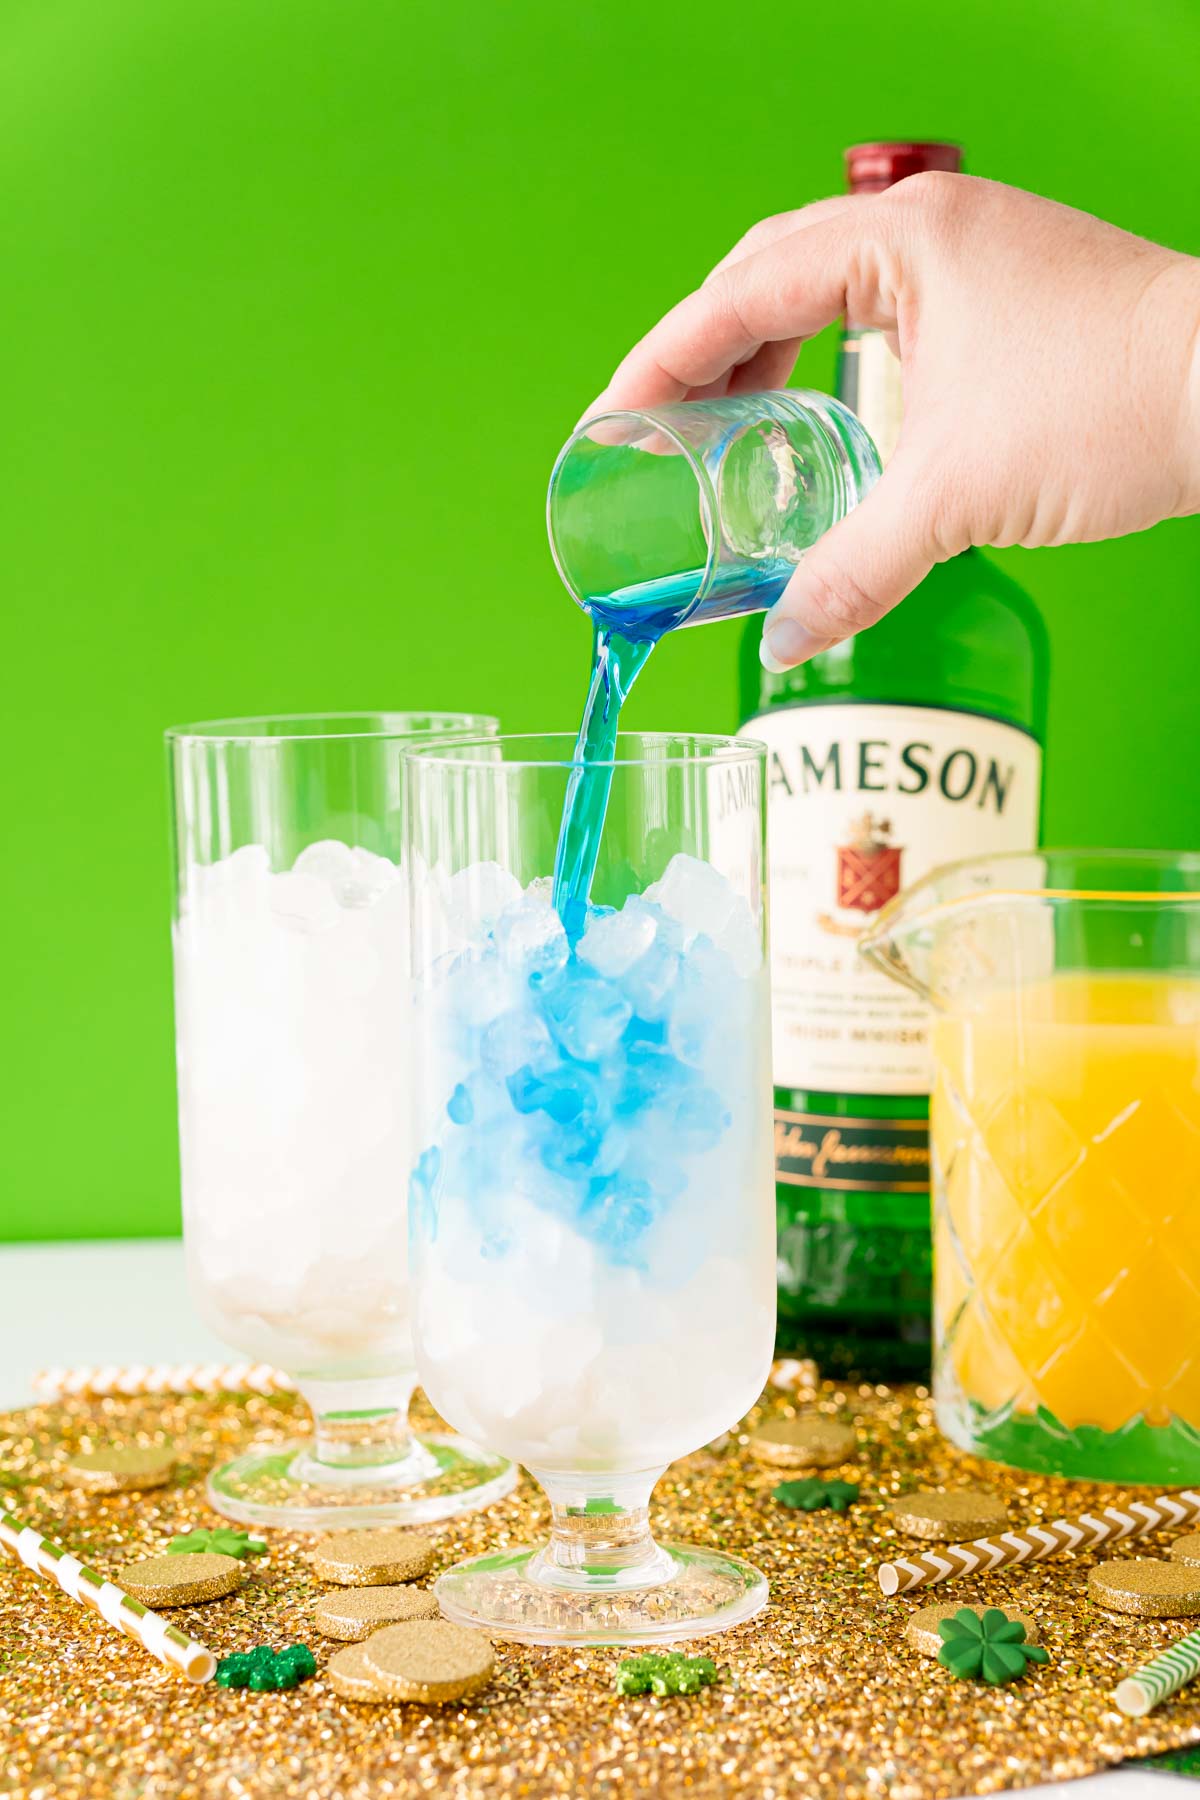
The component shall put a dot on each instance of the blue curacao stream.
(594, 1086)
(617, 661)
(626, 625)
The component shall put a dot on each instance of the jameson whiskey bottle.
(915, 743)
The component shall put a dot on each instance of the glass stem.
(360, 1424)
(600, 1533)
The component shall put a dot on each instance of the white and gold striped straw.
(85, 1586)
(161, 1378)
(1108, 1526)
(1159, 1679)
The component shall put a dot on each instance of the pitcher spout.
(972, 928)
(964, 928)
(890, 945)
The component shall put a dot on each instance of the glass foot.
(689, 1592)
(284, 1485)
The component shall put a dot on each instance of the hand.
(1051, 369)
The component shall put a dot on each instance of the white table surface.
(62, 1305)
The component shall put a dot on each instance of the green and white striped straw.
(1160, 1678)
(114, 1605)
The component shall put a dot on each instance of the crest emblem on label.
(868, 867)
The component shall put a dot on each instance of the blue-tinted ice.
(589, 1076)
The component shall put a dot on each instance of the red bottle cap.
(872, 167)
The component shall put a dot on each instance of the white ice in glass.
(293, 1028)
(593, 1208)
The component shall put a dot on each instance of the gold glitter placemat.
(819, 1695)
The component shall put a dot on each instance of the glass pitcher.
(1065, 1140)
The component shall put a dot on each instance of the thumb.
(854, 574)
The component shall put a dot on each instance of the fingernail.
(785, 642)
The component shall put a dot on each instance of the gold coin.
(348, 1675)
(806, 1443)
(181, 1580)
(355, 1615)
(371, 1558)
(922, 1628)
(1156, 1590)
(950, 1518)
(430, 1660)
(121, 1471)
(1186, 1549)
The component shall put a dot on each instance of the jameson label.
(875, 1155)
(862, 800)
(869, 383)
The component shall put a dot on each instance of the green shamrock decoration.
(223, 1542)
(989, 1648)
(670, 1673)
(595, 1505)
(811, 1494)
(266, 1670)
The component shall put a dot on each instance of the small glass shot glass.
(701, 510)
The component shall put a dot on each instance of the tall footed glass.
(593, 1205)
(293, 1029)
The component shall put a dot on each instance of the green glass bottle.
(913, 744)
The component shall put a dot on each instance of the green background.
(299, 298)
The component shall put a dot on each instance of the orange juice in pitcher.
(1065, 1129)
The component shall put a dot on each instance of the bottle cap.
(870, 168)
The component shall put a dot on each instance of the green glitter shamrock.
(670, 1673)
(811, 1494)
(223, 1542)
(266, 1670)
(990, 1648)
